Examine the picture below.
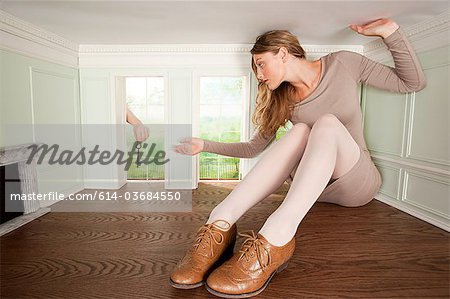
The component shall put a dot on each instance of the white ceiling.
(215, 22)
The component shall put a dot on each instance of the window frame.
(245, 130)
(118, 97)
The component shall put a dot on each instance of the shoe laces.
(252, 247)
(207, 236)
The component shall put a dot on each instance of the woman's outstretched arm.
(249, 149)
(407, 76)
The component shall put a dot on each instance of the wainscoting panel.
(98, 111)
(427, 192)
(55, 97)
(391, 180)
(384, 121)
(180, 172)
(429, 119)
(56, 116)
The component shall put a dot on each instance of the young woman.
(323, 157)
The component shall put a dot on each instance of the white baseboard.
(413, 211)
(107, 184)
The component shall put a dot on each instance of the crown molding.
(165, 48)
(19, 27)
(320, 50)
(187, 55)
(197, 48)
(427, 35)
(25, 38)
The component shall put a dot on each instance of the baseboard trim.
(413, 212)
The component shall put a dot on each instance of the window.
(221, 119)
(145, 98)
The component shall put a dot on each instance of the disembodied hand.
(190, 146)
(141, 132)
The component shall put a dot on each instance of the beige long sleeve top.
(337, 94)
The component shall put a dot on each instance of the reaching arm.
(407, 76)
(249, 149)
(140, 131)
(132, 119)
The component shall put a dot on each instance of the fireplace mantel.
(27, 173)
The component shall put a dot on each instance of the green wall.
(36, 91)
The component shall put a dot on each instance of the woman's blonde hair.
(273, 108)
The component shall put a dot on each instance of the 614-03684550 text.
(141, 195)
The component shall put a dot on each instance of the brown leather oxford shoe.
(250, 270)
(213, 245)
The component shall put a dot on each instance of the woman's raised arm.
(407, 76)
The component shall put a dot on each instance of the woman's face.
(269, 69)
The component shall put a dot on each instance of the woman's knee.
(327, 122)
(300, 130)
(327, 119)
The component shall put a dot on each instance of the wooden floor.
(374, 251)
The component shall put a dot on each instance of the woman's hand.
(190, 146)
(141, 132)
(380, 27)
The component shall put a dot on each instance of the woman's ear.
(283, 52)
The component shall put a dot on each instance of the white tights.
(327, 150)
